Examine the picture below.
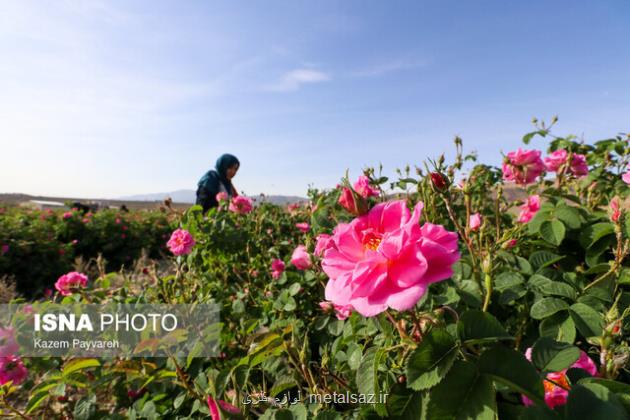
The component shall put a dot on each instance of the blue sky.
(104, 99)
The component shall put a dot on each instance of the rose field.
(458, 290)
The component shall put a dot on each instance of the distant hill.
(188, 196)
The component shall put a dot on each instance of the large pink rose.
(523, 166)
(557, 158)
(626, 176)
(73, 280)
(529, 209)
(300, 258)
(363, 187)
(241, 204)
(385, 259)
(556, 395)
(12, 369)
(181, 242)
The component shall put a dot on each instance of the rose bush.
(429, 288)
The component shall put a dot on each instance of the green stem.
(488, 284)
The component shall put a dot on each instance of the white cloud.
(294, 79)
(390, 67)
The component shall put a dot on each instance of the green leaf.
(555, 288)
(558, 326)
(507, 280)
(476, 326)
(367, 374)
(35, 401)
(592, 401)
(548, 355)
(354, 356)
(79, 364)
(404, 404)
(621, 390)
(552, 231)
(570, 216)
(429, 363)
(512, 369)
(85, 408)
(588, 321)
(546, 307)
(541, 259)
(463, 394)
(594, 233)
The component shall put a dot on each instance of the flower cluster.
(525, 166)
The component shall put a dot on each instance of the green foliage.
(558, 284)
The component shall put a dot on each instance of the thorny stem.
(402, 333)
(15, 411)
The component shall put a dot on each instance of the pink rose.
(474, 221)
(8, 345)
(343, 311)
(67, 215)
(385, 259)
(523, 166)
(4, 249)
(362, 186)
(579, 167)
(323, 242)
(277, 268)
(555, 160)
(304, 227)
(73, 280)
(181, 242)
(12, 370)
(300, 258)
(222, 196)
(626, 176)
(241, 205)
(559, 157)
(529, 209)
(556, 395)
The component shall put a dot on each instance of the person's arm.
(207, 192)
